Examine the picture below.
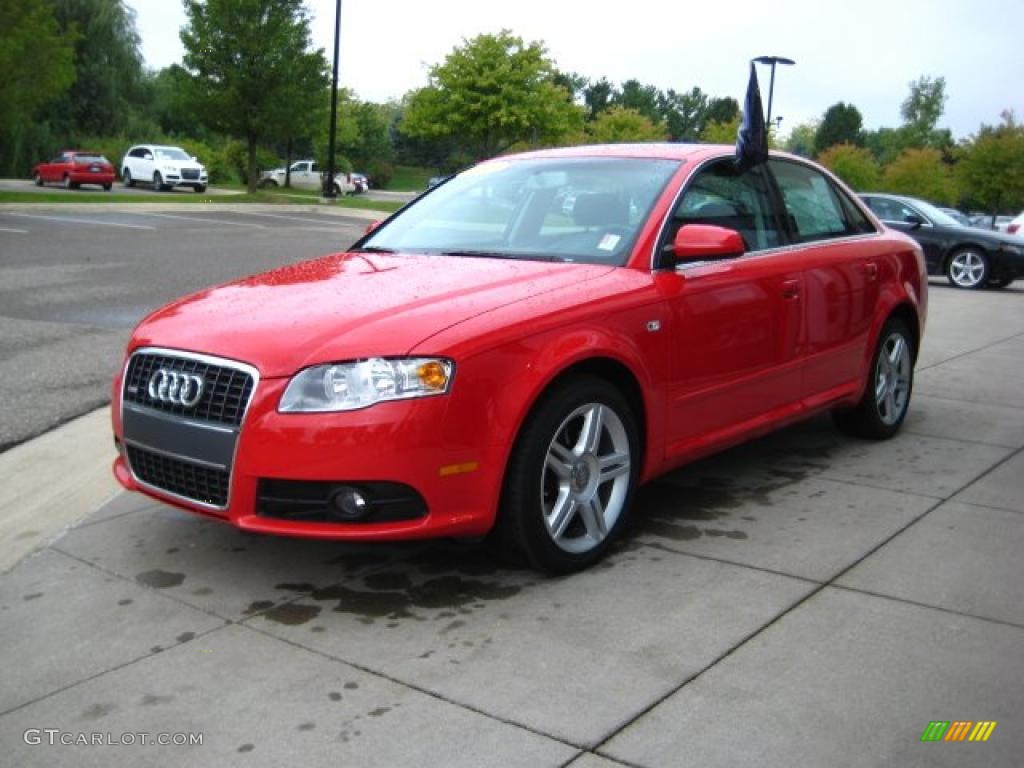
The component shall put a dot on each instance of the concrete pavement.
(802, 600)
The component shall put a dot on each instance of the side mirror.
(370, 227)
(914, 220)
(701, 242)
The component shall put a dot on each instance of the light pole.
(329, 191)
(772, 60)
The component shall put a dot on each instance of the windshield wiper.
(501, 255)
(373, 249)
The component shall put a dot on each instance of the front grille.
(226, 390)
(182, 478)
(190, 173)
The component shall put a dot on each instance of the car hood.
(348, 306)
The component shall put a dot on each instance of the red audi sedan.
(74, 167)
(516, 350)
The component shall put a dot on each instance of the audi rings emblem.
(176, 388)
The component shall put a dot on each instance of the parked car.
(360, 181)
(307, 174)
(1016, 227)
(74, 167)
(958, 216)
(478, 363)
(163, 167)
(968, 256)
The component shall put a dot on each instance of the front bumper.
(401, 443)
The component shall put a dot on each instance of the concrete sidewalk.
(803, 600)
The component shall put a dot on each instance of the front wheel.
(66, 182)
(571, 477)
(881, 410)
(158, 182)
(968, 268)
(200, 188)
(37, 179)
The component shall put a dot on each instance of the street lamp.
(772, 60)
(329, 190)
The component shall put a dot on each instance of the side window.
(816, 209)
(721, 196)
(314, 168)
(890, 210)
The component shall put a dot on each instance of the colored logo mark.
(958, 730)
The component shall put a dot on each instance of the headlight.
(360, 384)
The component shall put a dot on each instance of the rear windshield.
(86, 159)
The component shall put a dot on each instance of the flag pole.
(772, 60)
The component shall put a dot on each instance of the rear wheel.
(126, 177)
(571, 477)
(968, 268)
(106, 187)
(886, 399)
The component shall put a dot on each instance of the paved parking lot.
(803, 600)
(74, 281)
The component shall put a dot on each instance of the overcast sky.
(864, 52)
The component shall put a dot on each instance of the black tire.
(106, 187)
(968, 268)
(126, 178)
(593, 511)
(890, 383)
(66, 182)
(200, 188)
(158, 182)
(37, 179)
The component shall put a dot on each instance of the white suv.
(163, 167)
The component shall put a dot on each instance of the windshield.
(567, 209)
(172, 153)
(935, 215)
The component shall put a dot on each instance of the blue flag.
(752, 138)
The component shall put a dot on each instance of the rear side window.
(817, 210)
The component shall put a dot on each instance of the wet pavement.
(804, 599)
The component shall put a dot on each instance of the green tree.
(685, 113)
(990, 167)
(922, 109)
(491, 93)
(921, 173)
(841, 124)
(597, 97)
(252, 68)
(108, 71)
(854, 165)
(619, 124)
(722, 110)
(720, 133)
(36, 66)
(645, 99)
(801, 139)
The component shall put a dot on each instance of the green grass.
(293, 197)
(409, 178)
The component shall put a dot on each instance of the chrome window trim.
(202, 358)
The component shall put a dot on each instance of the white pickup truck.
(307, 174)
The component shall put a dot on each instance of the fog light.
(349, 503)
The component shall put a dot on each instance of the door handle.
(790, 289)
(870, 270)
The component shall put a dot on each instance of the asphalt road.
(26, 185)
(73, 283)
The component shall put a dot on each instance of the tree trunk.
(288, 164)
(251, 176)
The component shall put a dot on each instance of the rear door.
(843, 264)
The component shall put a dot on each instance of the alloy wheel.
(892, 379)
(586, 477)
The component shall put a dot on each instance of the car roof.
(648, 151)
